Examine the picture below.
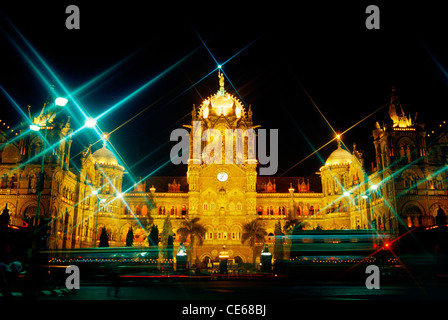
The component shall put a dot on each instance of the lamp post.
(61, 102)
(181, 258)
(373, 188)
(266, 259)
(223, 258)
(95, 192)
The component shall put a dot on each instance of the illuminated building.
(406, 187)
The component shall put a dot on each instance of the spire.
(399, 120)
(193, 113)
(249, 113)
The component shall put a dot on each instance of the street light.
(90, 122)
(34, 127)
(40, 180)
(60, 101)
(372, 221)
(95, 192)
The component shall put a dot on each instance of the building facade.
(406, 187)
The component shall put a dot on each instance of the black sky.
(347, 70)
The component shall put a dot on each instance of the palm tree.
(254, 232)
(193, 229)
(288, 228)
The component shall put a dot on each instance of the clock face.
(222, 176)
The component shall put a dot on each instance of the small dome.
(339, 157)
(104, 156)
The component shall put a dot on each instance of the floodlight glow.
(364, 197)
(346, 193)
(219, 66)
(120, 195)
(373, 187)
(95, 192)
(90, 123)
(60, 101)
(34, 127)
(103, 200)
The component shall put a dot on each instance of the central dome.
(339, 157)
(104, 156)
(222, 105)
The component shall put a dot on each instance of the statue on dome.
(221, 81)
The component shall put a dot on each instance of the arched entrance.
(412, 215)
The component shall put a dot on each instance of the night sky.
(278, 51)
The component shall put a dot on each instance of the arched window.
(407, 151)
(410, 179)
(311, 210)
(260, 210)
(184, 211)
(271, 210)
(161, 210)
(282, 210)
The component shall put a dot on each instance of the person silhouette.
(4, 217)
(440, 217)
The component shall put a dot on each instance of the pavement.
(42, 293)
(256, 290)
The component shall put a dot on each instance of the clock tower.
(222, 169)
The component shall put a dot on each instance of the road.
(257, 290)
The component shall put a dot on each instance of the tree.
(104, 239)
(193, 229)
(254, 232)
(288, 227)
(153, 237)
(294, 251)
(278, 245)
(130, 238)
(167, 238)
(153, 240)
(290, 224)
(169, 248)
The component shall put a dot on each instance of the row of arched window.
(172, 210)
(271, 210)
(212, 207)
(281, 210)
(223, 235)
